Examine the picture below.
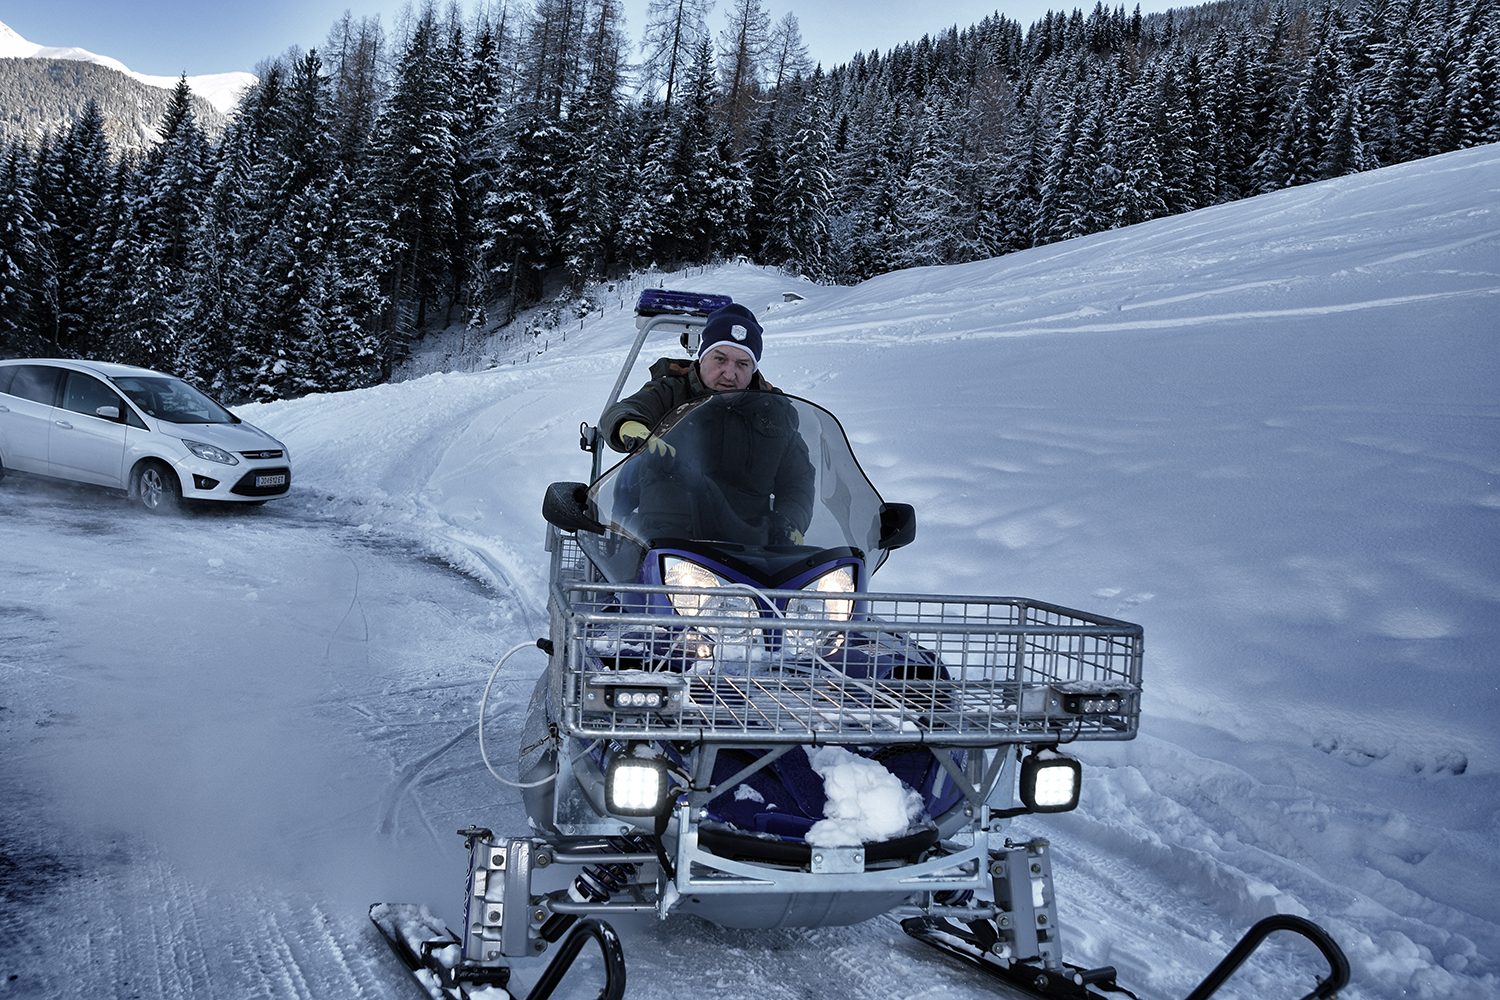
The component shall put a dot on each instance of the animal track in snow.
(1423, 761)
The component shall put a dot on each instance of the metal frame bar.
(679, 321)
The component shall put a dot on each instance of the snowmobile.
(721, 675)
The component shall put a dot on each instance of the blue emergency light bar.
(665, 302)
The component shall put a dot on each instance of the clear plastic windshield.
(754, 469)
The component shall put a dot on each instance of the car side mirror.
(108, 413)
(898, 525)
(565, 506)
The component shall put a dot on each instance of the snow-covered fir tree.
(466, 169)
(25, 268)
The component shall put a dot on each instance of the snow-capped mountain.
(222, 90)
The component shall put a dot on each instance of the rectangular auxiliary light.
(635, 786)
(633, 691)
(1050, 782)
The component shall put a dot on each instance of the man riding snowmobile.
(717, 661)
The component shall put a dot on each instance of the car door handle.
(63, 424)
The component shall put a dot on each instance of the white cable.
(483, 702)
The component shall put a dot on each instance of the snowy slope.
(222, 90)
(1266, 431)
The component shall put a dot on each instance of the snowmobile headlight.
(825, 609)
(635, 786)
(731, 603)
(1050, 781)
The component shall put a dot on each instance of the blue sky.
(167, 37)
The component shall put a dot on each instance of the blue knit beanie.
(732, 326)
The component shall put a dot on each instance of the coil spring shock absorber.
(596, 884)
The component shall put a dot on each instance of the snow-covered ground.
(1269, 432)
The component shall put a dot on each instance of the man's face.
(726, 370)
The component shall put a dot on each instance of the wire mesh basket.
(774, 666)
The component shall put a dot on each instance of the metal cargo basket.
(861, 668)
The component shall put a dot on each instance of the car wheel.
(156, 488)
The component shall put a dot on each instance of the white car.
(152, 435)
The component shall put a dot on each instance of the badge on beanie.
(738, 332)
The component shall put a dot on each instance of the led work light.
(1050, 781)
(635, 786)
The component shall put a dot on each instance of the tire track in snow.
(501, 564)
(191, 961)
(364, 621)
(317, 949)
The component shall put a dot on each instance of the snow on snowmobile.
(732, 724)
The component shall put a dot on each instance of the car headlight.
(209, 453)
(825, 610)
(1050, 781)
(678, 572)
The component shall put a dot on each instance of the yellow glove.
(634, 430)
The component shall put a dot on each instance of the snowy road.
(209, 729)
(226, 734)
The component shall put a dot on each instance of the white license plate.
(270, 480)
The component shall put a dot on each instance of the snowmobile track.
(410, 776)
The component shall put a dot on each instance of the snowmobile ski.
(1338, 963)
(432, 952)
(975, 943)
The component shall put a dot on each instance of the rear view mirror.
(565, 506)
(898, 525)
(108, 412)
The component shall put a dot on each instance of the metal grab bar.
(614, 961)
(1338, 963)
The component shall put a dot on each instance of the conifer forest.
(455, 168)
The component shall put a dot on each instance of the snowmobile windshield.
(747, 471)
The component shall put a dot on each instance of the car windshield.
(753, 469)
(172, 399)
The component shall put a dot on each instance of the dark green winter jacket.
(674, 381)
(752, 451)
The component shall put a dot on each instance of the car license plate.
(277, 480)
